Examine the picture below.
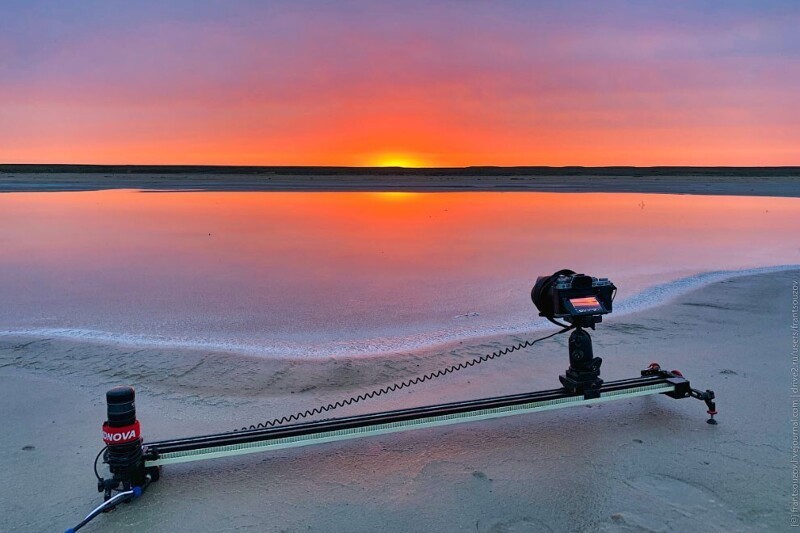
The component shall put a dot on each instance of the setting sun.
(397, 160)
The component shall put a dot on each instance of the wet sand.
(648, 464)
(768, 181)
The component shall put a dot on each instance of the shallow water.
(306, 273)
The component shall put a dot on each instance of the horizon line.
(45, 167)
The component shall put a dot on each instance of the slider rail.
(335, 429)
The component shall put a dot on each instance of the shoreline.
(644, 464)
(776, 182)
(650, 297)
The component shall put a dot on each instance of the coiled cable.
(402, 384)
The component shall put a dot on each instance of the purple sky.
(415, 83)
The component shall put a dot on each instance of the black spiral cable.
(401, 385)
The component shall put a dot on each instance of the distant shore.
(741, 181)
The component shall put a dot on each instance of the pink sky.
(358, 83)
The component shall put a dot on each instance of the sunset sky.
(401, 83)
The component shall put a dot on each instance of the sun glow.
(397, 160)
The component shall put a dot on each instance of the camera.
(582, 301)
(572, 296)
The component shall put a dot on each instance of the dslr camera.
(577, 298)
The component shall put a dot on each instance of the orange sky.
(403, 83)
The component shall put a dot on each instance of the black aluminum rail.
(673, 385)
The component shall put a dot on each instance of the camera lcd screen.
(586, 305)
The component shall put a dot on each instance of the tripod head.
(583, 374)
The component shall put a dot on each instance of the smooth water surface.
(305, 273)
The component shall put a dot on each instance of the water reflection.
(290, 272)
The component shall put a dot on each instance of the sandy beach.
(649, 464)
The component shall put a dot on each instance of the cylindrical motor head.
(123, 437)
(121, 402)
(121, 426)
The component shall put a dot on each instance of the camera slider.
(135, 464)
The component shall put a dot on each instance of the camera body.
(568, 295)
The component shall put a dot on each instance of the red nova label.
(121, 435)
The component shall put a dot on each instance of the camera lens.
(541, 294)
(537, 290)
